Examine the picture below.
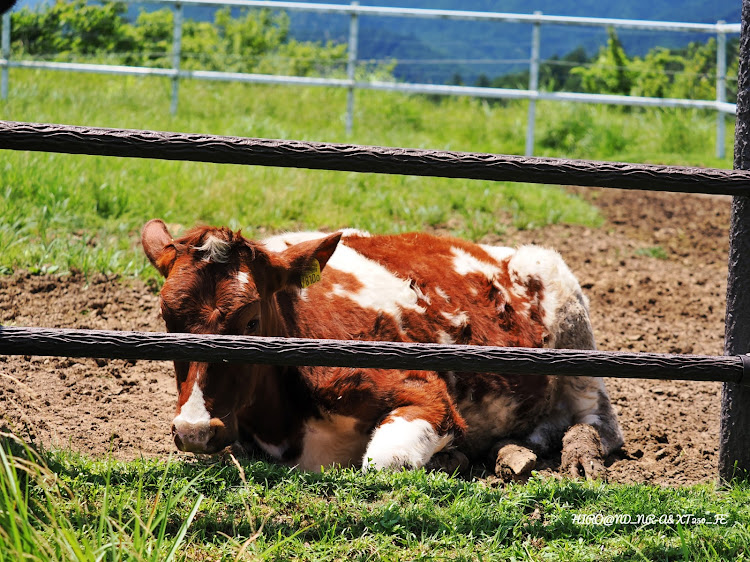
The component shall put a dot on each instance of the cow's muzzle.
(206, 437)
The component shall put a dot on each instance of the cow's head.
(218, 282)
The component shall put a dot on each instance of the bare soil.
(655, 274)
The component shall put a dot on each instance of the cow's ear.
(158, 246)
(301, 265)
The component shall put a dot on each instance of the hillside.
(473, 48)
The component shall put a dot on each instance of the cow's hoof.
(514, 461)
(582, 453)
(452, 462)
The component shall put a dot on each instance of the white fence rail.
(355, 11)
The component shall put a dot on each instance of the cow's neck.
(280, 398)
(279, 406)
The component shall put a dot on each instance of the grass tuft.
(46, 516)
(62, 505)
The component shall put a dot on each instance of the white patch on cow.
(559, 283)
(457, 319)
(193, 423)
(215, 249)
(420, 294)
(464, 263)
(276, 451)
(498, 252)
(333, 440)
(281, 242)
(381, 290)
(505, 293)
(243, 278)
(441, 293)
(346, 232)
(444, 338)
(401, 443)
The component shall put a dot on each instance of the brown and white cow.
(411, 288)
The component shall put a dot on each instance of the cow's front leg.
(594, 432)
(582, 453)
(406, 438)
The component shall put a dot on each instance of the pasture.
(652, 264)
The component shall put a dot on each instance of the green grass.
(61, 212)
(69, 507)
(656, 252)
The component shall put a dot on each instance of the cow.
(350, 285)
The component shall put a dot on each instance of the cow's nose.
(192, 437)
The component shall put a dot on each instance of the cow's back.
(417, 288)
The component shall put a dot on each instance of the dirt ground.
(655, 274)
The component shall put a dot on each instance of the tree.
(609, 73)
(483, 81)
(72, 27)
(251, 41)
(456, 80)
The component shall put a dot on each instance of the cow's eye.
(252, 326)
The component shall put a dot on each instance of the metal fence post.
(176, 52)
(533, 84)
(721, 92)
(351, 66)
(6, 55)
(734, 452)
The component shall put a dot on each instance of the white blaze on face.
(192, 425)
(243, 278)
(549, 269)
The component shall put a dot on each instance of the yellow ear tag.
(312, 275)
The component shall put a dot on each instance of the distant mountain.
(439, 50)
(469, 49)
